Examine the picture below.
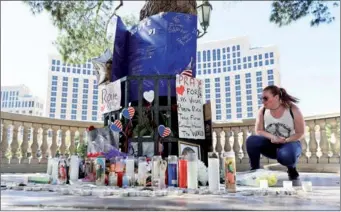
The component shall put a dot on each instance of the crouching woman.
(279, 128)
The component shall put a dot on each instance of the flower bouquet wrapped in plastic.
(101, 141)
(252, 178)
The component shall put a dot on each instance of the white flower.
(202, 173)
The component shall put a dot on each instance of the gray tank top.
(283, 126)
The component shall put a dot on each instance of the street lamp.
(204, 13)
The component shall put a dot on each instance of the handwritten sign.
(110, 97)
(190, 107)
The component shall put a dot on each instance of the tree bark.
(153, 7)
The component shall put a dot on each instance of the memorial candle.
(156, 170)
(182, 172)
(213, 171)
(173, 170)
(142, 171)
(192, 171)
(74, 168)
(230, 171)
(130, 167)
(119, 170)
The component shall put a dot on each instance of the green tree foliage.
(83, 24)
(285, 12)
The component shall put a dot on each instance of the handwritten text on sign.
(190, 107)
(110, 97)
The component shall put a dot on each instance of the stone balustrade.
(320, 145)
(31, 140)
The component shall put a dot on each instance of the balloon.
(164, 131)
(100, 67)
(128, 113)
(116, 126)
(149, 96)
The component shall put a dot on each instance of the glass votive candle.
(192, 171)
(263, 184)
(156, 162)
(172, 171)
(142, 171)
(213, 172)
(307, 186)
(287, 184)
(182, 172)
(130, 167)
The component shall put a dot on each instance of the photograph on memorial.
(186, 147)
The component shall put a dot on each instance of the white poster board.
(190, 107)
(110, 97)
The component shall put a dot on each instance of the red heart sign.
(180, 90)
(102, 108)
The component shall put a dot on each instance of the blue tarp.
(161, 44)
(119, 63)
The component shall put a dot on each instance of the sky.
(309, 56)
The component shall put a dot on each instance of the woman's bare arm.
(299, 125)
(259, 126)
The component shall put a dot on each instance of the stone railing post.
(45, 153)
(54, 146)
(218, 145)
(235, 146)
(72, 147)
(230, 140)
(306, 154)
(246, 134)
(214, 141)
(227, 146)
(240, 144)
(222, 140)
(24, 145)
(35, 144)
(334, 153)
(313, 142)
(324, 145)
(81, 132)
(15, 144)
(62, 147)
(4, 143)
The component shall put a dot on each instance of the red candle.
(119, 178)
(182, 173)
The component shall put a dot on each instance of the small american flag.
(187, 73)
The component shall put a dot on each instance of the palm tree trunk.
(153, 7)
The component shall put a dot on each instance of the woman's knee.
(287, 157)
(254, 141)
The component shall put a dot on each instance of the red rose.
(91, 128)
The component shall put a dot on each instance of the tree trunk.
(153, 7)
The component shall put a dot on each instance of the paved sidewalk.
(325, 196)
